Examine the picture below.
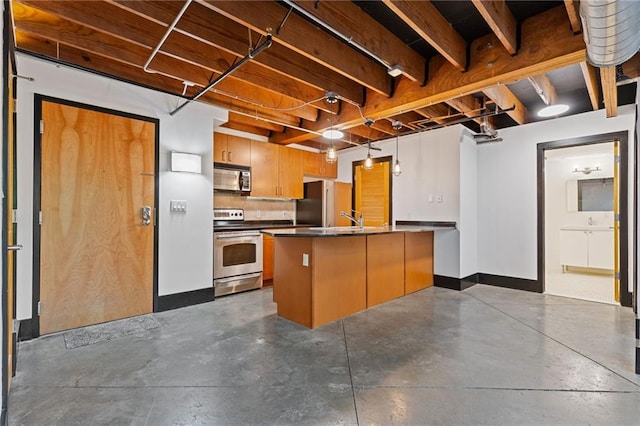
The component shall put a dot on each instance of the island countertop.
(344, 231)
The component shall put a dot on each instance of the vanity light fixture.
(397, 125)
(587, 170)
(185, 162)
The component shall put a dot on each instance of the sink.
(344, 228)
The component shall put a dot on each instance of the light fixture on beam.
(332, 134)
(397, 125)
(553, 110)
(395, 70)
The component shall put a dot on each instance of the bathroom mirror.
(590, 195)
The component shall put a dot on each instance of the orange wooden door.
(96, 255)
(372, 193)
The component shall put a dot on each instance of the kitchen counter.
(318, 279)
(343, 231)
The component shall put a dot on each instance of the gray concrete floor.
(483, 356)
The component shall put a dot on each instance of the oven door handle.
(238, 237)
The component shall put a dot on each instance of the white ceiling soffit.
(610, 30)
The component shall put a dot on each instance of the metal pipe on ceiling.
(165, 36)
(265, 44)
(345, 38)
(610, 30)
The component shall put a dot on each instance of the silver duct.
(610, 30)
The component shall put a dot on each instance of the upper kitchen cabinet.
(231, 149)
(315, 164)
(276, 171)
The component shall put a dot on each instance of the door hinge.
(15, 105)
(616, 159)
(14, 216)
(616, 275)
(40, 217)
(616, 217)
(15, 326)
(41, 127)
(39, 308)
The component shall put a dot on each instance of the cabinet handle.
(230, 156)
(224, 157)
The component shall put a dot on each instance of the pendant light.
(397, 125)
(331, 156)
(368, 162)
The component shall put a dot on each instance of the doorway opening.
(582, 218)
(372, 191)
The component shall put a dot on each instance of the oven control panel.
(228, 214)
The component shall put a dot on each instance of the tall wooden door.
(96, 249)
(372, 193)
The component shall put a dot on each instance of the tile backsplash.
(257, 208)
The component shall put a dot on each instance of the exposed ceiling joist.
(544, 88)
(254, 122)
(358, 26)
(609, 90)
(501, 21)
(247, 128)
(306, 39)
(435, 113)
(573, 12)
(467, 105)
(505, 99)
(590, 75)
(424, 19)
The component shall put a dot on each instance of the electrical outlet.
(305, 259)
(285, 213)
(439, 198)
(258, 213)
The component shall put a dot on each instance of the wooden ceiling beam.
(573, 12)
(247, 128)
(590, 74)
(350, 20)
(544, 88)
(488, 67)
(363, 132)
(436, 113)
(501, 21)
(293, 69)
(505, 99)
(243, 83)
(253, 122)
(467, 105)
(308, 40)
(424, 19)
(609, 90)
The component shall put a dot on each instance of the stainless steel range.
(237, 253)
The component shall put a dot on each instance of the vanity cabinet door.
(574, 248)
(601, 249)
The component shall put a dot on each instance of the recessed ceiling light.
(551, 110)
(332, 134)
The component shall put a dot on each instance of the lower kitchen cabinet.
(267, 258)
(385, 268)
(418, 261)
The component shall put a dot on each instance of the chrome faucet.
(359, 221)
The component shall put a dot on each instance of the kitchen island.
(324, 274)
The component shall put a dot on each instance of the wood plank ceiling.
(456, 61)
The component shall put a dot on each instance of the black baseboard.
(25, 330)
(637, 347)
(511, 282)
(455, 283)
(181, 300)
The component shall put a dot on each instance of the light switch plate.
(178, 206)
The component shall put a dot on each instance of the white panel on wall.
(185, 241)
(507, 188)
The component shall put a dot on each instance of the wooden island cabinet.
(320, 276)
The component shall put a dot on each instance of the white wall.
(430, 167)
(185, 240)
(507, 188)
(468, 223)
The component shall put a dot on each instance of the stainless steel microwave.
(231, 178)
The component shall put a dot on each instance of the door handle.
(15, 247)
(146, 215)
